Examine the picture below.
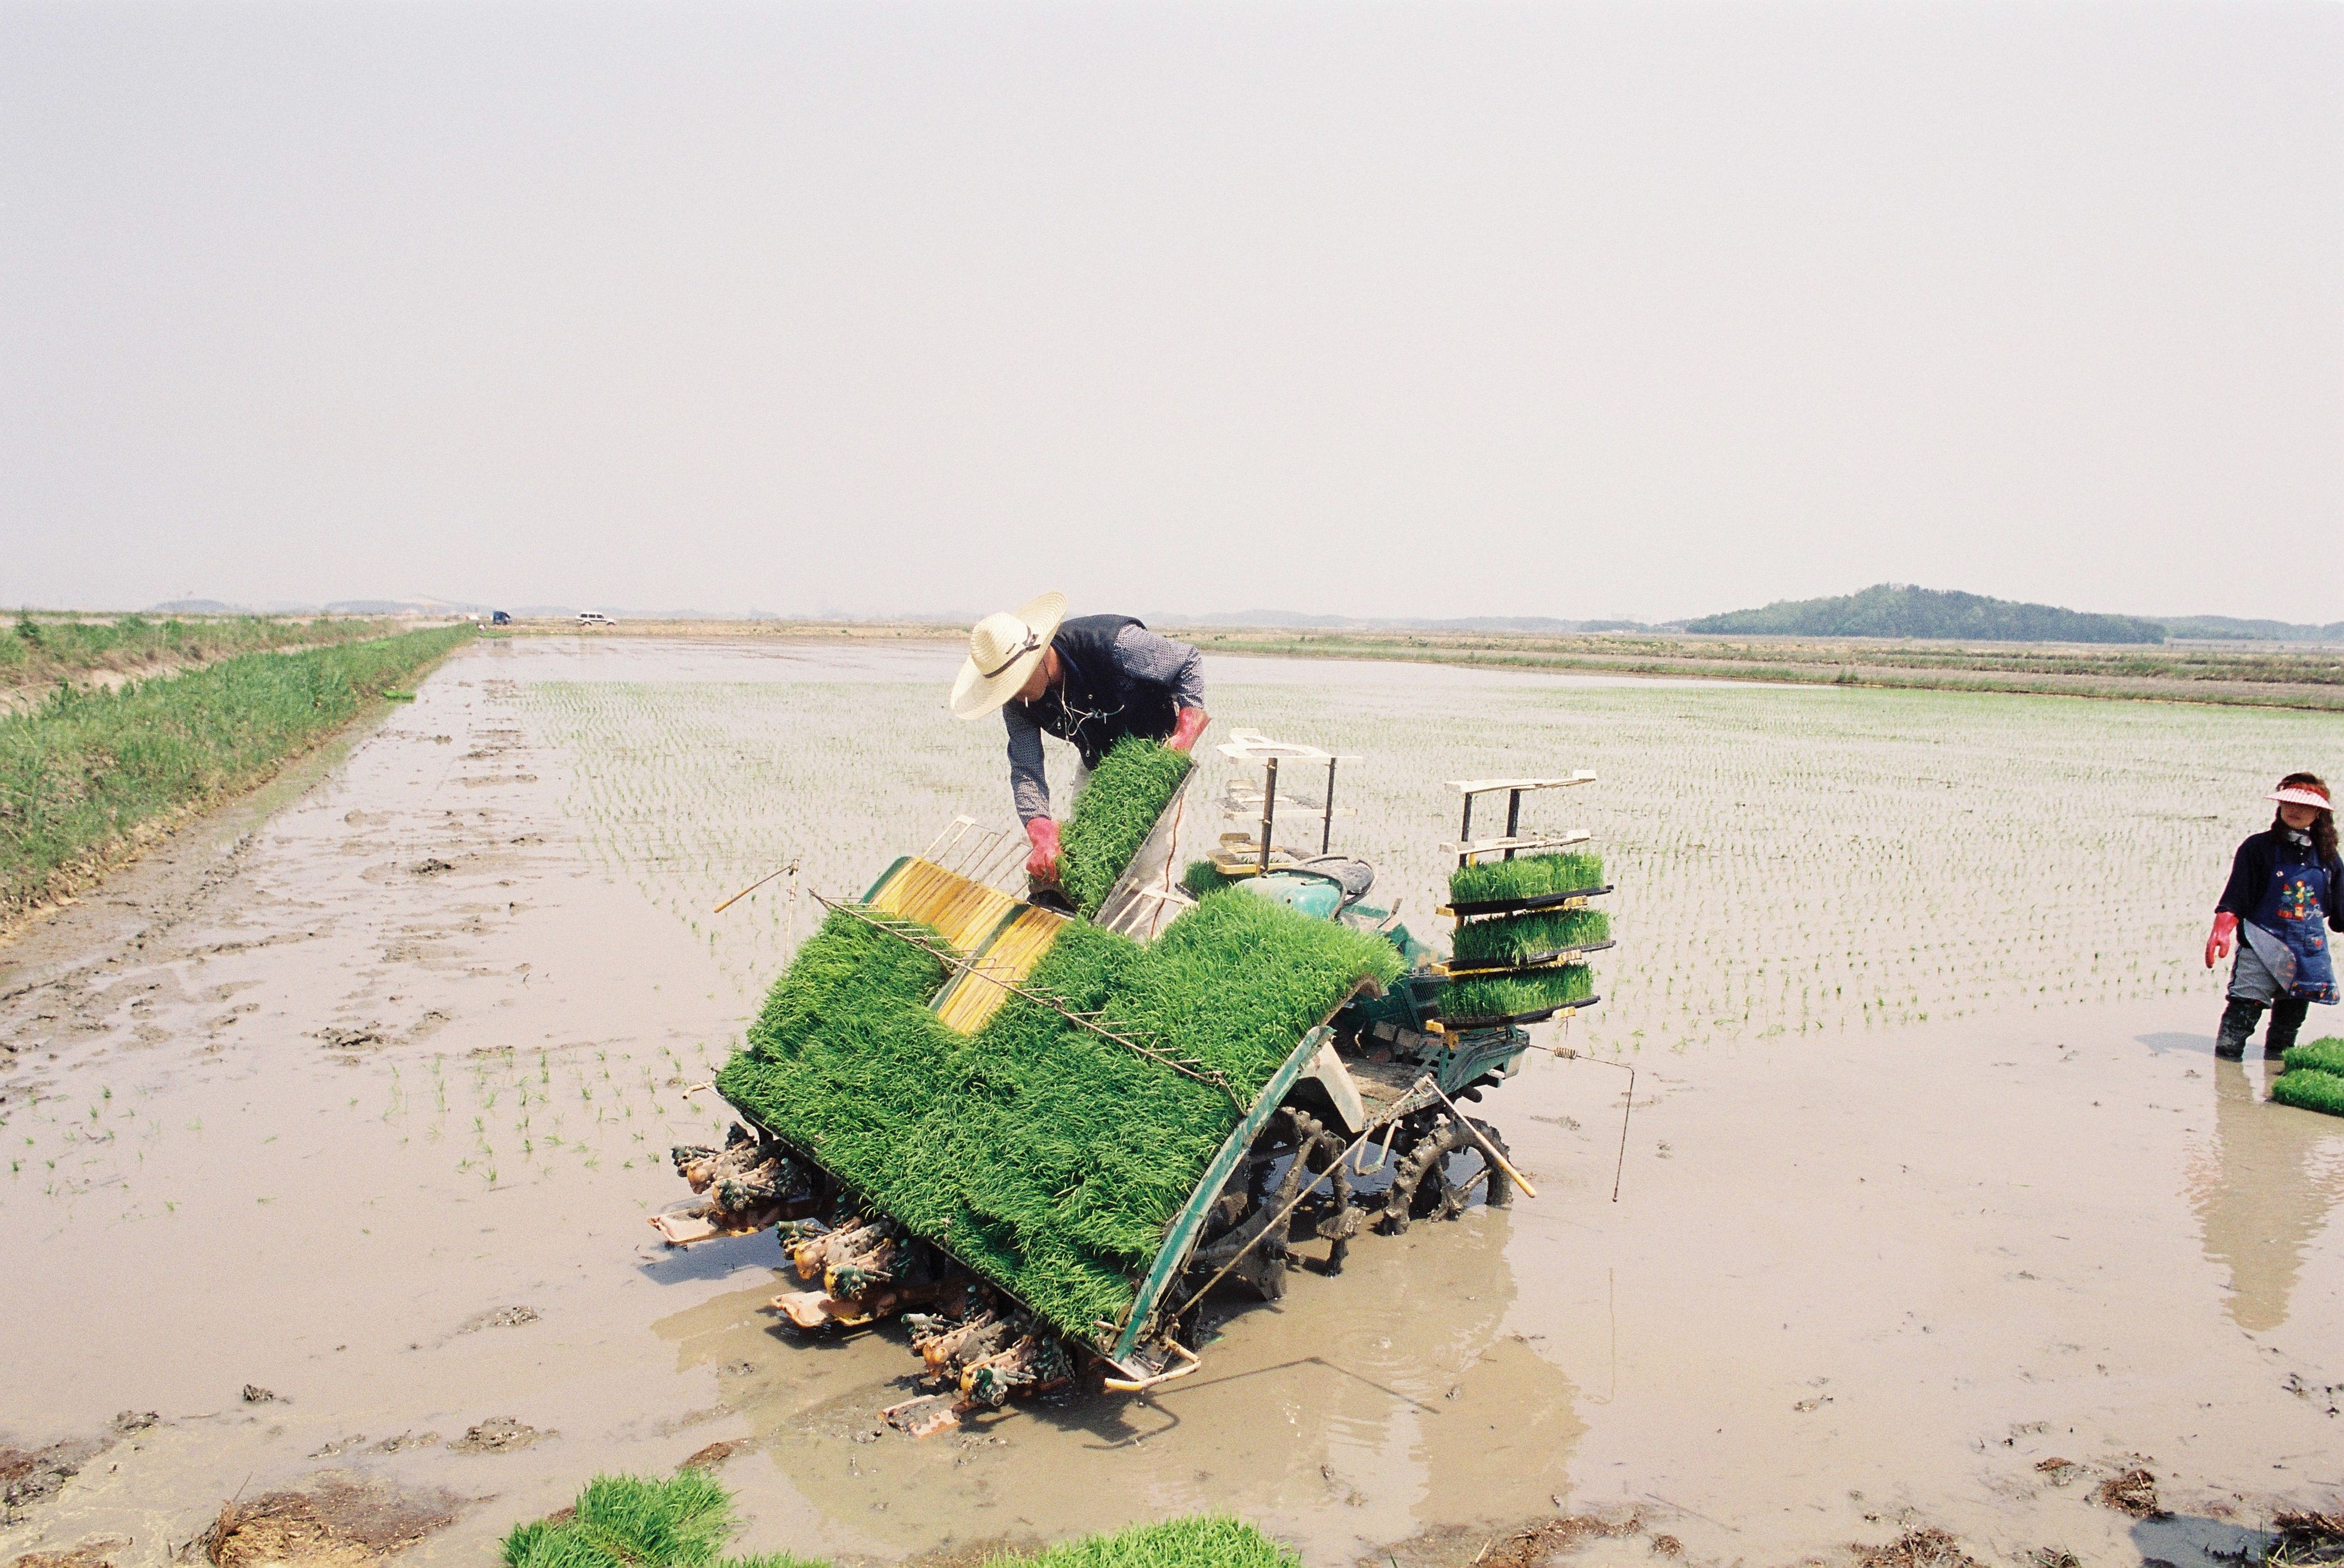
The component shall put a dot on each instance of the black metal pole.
(1269, 806)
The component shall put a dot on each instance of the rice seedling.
(2309, 1088)
(1788, 860)
(1210, 1541)
(2325, 1055)
(626, 1522)
(1046, 1157)
(1113, 816)
(1518, 938)
(684, 1521)
(1525, 876)
(1520, 991)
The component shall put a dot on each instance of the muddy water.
(312, 1099)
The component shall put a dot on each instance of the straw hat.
(2301, 794)
(1002, 653)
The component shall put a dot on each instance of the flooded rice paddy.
(354, 1101)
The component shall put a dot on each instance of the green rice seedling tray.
(1051, 1161)
(1113, 817)
(1522, 905)
(2325, 1056)
(1522, 941)
(2308, 1088)
(1520, 996)
(1526, 877)
(1552, 959)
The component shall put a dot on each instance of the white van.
(593, 618)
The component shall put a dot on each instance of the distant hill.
(1276, 620)
(1901, 610)
(2229, 629)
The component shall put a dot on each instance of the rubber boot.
(2287, 1017)
(2239, 1021)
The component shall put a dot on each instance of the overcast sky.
(1641, 310)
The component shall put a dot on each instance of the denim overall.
(2288, 933)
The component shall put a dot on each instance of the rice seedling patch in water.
(684, 1522)
(2308, 1088)
(2325, 1055)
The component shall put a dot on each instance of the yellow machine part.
(972, 999)
(963, 912)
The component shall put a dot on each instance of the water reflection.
(1361, 1408)
(2262, 1190)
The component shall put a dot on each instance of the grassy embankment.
(89, 773)
(620, 1521)
(2289, 678)
(41, 651)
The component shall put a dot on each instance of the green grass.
(1210, 1542)
(2325, 1056)
(1512, 938)
(2308, 1088)
(1528, 991)
(79, 773)
(1045, 1158)
(621, 1522)
(1127, 793)
(40, 650)
(1526, 877)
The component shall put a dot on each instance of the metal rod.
(1465, 832)
(1327, 822)
(789, 870)
(1487, 1146)
(1513, 818)
(1621, 1163)
(1269, 806)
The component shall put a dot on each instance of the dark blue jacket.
(2250, 876)
(1097, 702)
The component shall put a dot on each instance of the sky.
(1639, 311)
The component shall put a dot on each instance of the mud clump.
(340, 1523)
(709, 1458)
(499, 1434)
(1528, 1548)
(2133, 1492)
(2307, 1538)
(1929, 1548)
(497, 1318)
(29, 1475)
(96, 1553)
(2059, 1471)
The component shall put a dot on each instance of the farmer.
(1092, 681)
(2286, 883)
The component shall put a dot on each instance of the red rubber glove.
(2223, 938)
(1042, 865)
(1191, 725)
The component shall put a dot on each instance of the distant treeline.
(1893, 610)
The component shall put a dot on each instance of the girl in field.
(2285, 885)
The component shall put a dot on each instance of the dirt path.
(354, 1106)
